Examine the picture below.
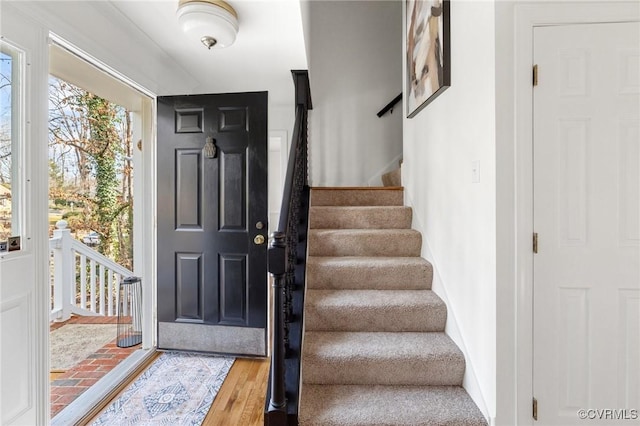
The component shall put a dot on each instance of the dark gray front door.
(212, 223)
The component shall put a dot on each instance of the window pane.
(9, 217)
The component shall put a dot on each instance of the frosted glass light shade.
(213, 19)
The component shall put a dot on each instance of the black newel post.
(276, 412)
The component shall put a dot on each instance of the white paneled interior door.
(587, 215)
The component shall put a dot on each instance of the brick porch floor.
(67, 386)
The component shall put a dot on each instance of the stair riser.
(376, 218)
(360, 371)
(388, 244)
(376, 277)
(357, 197)
(388, 318)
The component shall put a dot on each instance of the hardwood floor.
(240, 400)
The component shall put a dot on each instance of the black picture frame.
(428, 48)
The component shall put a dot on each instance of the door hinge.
(535, 409)
(535, 75)
(535, 242)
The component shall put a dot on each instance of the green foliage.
(104, 141)
(68, 215)
(93, 130)
(56, 177)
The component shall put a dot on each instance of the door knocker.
(210, 149)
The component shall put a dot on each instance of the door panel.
(24, 300)
(212, 290)
(188, 189)
(16, 355)
(587, 216)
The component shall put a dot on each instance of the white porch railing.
(83, 281)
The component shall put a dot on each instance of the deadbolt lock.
(259, 225)
(259, 239)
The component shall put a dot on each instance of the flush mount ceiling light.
(213, 22)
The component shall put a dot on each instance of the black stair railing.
(287, 254)
(390, 105)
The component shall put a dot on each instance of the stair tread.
(364, 242)
(355, 231)
(368, 261)
(372, 298)
(374, 310)
(357, 188)
(360, 217)
(380, 345)
(381, 358)
(372, 196)
(357, 405)
(355, 272)
(361, 209)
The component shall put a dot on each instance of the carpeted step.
(359, 358)
(374, 348)
(393, 178)
(378, 196)
(364, 242)
(377, 273)
(350, 217)
(340, 405)
(374, 310)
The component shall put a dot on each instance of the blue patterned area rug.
(177, 389)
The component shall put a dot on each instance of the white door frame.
(527, 16)
(145, 238)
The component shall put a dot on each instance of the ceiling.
(269, 45)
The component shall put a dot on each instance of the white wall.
(355, 66)
(457, 217)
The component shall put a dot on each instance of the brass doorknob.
(259, 239)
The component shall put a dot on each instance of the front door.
(587, 216)
(212, 223)
(24, 292)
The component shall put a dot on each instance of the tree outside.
(6, 63)
(90, 170)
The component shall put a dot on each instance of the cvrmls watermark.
(608, 414)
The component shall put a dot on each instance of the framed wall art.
(428, 53)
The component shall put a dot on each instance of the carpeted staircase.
(375, 351)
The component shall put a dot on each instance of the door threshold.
(87, 405)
